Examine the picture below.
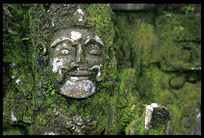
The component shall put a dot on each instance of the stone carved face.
(75, 60)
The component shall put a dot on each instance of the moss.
(178, 101)
(157, 131)
(102, 23)
(17, 49)
(177, 82)
(154, 49)
(15, 46)
(179, 27)
(99, 102)
(135, 40)
(147, 56)
(12, 132)
(129, 106)
(136, 127)
(176, 34)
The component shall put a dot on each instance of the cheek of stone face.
(56, 63)
(94, 60)
(96, 64)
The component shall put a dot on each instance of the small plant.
(168, 14)
(179, 28)
(187, 9)
(25, 38)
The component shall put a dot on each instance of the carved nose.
(79, 54)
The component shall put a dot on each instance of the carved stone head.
(76, 59)
(74, 49)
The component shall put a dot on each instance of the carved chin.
(78, 88)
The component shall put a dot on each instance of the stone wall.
(163, 45)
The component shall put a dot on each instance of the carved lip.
(79, 78)
(80, 73)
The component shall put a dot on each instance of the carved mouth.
(79, 78)
(79, 73)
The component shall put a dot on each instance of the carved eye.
(64, 52)
(94, 51)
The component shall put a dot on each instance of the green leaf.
(25, 38)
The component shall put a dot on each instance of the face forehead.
(75, 34)
(82, 36)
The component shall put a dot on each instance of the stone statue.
(74, 87)
(71, 53)
(75, 53)
(74, 56)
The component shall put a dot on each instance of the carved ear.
(41, 49)
(41, 58)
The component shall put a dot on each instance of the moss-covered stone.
(179, 27)
(48, 111)
(150, 50)
(175, 99)
(180, 38)
(173, 51)
(135, 39)
(17, 49)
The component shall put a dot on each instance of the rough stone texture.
(46, 111)
(180, 41)
(165, 50)
(132, 7)
(157, 120)
(150, 64)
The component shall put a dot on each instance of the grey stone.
(198, 123)
(188, 122)
(132, 7)
(157, 116)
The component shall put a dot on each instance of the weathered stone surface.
(132, 7)
(179, 27)
(75, 50)
(180, 38)
(147, 56)
(48, 112)
(177, 82)
(7, 21)
(77, 65)
(181, 56)
(193, 76)
(157, 120)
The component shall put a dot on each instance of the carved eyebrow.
(98, 40)
(94, 40)
(59, 40)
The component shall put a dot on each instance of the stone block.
(157, 120)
